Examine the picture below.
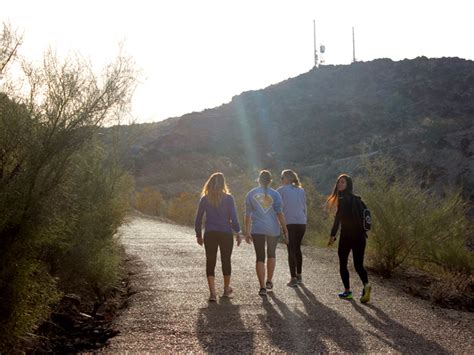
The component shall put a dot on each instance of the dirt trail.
(170, 311)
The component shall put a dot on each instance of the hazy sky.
(197, 54)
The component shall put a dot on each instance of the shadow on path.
(310, 331)
(220, 329)
(394, 334)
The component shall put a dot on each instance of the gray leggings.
(259, 245)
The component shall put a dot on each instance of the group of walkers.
(268, 214)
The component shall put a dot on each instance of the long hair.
(333, 199)
(215, 188)
(264, 179)
(292, 177)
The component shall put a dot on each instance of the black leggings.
(295, 258)
(357, 245)
(223, 241)
(259, 245)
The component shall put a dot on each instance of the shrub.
(149, 201)
(182, 209)
(319, 220)
(414, 224)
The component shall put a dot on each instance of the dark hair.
(264, 179)
(333, 199)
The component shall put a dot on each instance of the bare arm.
(247, 228)
(281, 219)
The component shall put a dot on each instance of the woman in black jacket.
(353, 235)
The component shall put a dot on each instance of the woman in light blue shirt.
(294, 208)
(263, 218)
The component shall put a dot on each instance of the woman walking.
(221, 218)
(263, 217)
(352, 236)
(294, 210)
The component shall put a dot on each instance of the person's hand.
(200, 241)
(238, 239)
(248, 238)
(331, 241)
(285, 236)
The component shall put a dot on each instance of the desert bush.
(149, 201)
(319, 219)
(413, 224)
(182, 209)
(61, 197)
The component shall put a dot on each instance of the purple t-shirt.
(218, 219)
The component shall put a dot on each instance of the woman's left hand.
(238, 239)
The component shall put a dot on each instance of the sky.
(194, 55)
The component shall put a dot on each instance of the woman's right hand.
(248, 238)
(200, 241)
(331, 241)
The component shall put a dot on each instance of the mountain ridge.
(329, 113)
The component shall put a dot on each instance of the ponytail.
(264, 179)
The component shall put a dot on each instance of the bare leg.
(212, 285)
(261, 273)
(271, 262)
(226, 283)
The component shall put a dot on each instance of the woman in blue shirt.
(221, 218)
(294, 209)
(263, 218)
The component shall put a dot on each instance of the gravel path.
(170, 311)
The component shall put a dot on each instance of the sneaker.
(293, 282)
(346, 295)
(365, 294)
(299, 279)
(269, 285)
(263, 292)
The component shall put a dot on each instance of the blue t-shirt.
(263, 211)
(294, 204)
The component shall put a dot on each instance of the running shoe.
(365, 294)
(293, 282)
(346, 295)
(299, 279)
(269, 285)
(263, 292)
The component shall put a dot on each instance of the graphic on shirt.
(265, 202)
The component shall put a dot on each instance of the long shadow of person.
(394, 334)
(318, 329)
(220, 329)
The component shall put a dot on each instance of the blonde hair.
(292, 177)
(215, 188)
(264, 179)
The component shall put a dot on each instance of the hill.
(420, 112)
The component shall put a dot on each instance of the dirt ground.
(170, 311)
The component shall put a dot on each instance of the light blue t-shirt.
(263, 211)
(294, 204)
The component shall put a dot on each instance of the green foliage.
(62, 197)
(412, 224)
(319, 218)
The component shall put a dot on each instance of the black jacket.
(347, 217)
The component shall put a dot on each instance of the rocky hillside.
(420, 111)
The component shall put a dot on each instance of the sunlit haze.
(198, 54)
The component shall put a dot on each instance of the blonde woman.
(221, 219)
(263, 218)
(294, 209)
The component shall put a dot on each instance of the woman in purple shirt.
(221, 219)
